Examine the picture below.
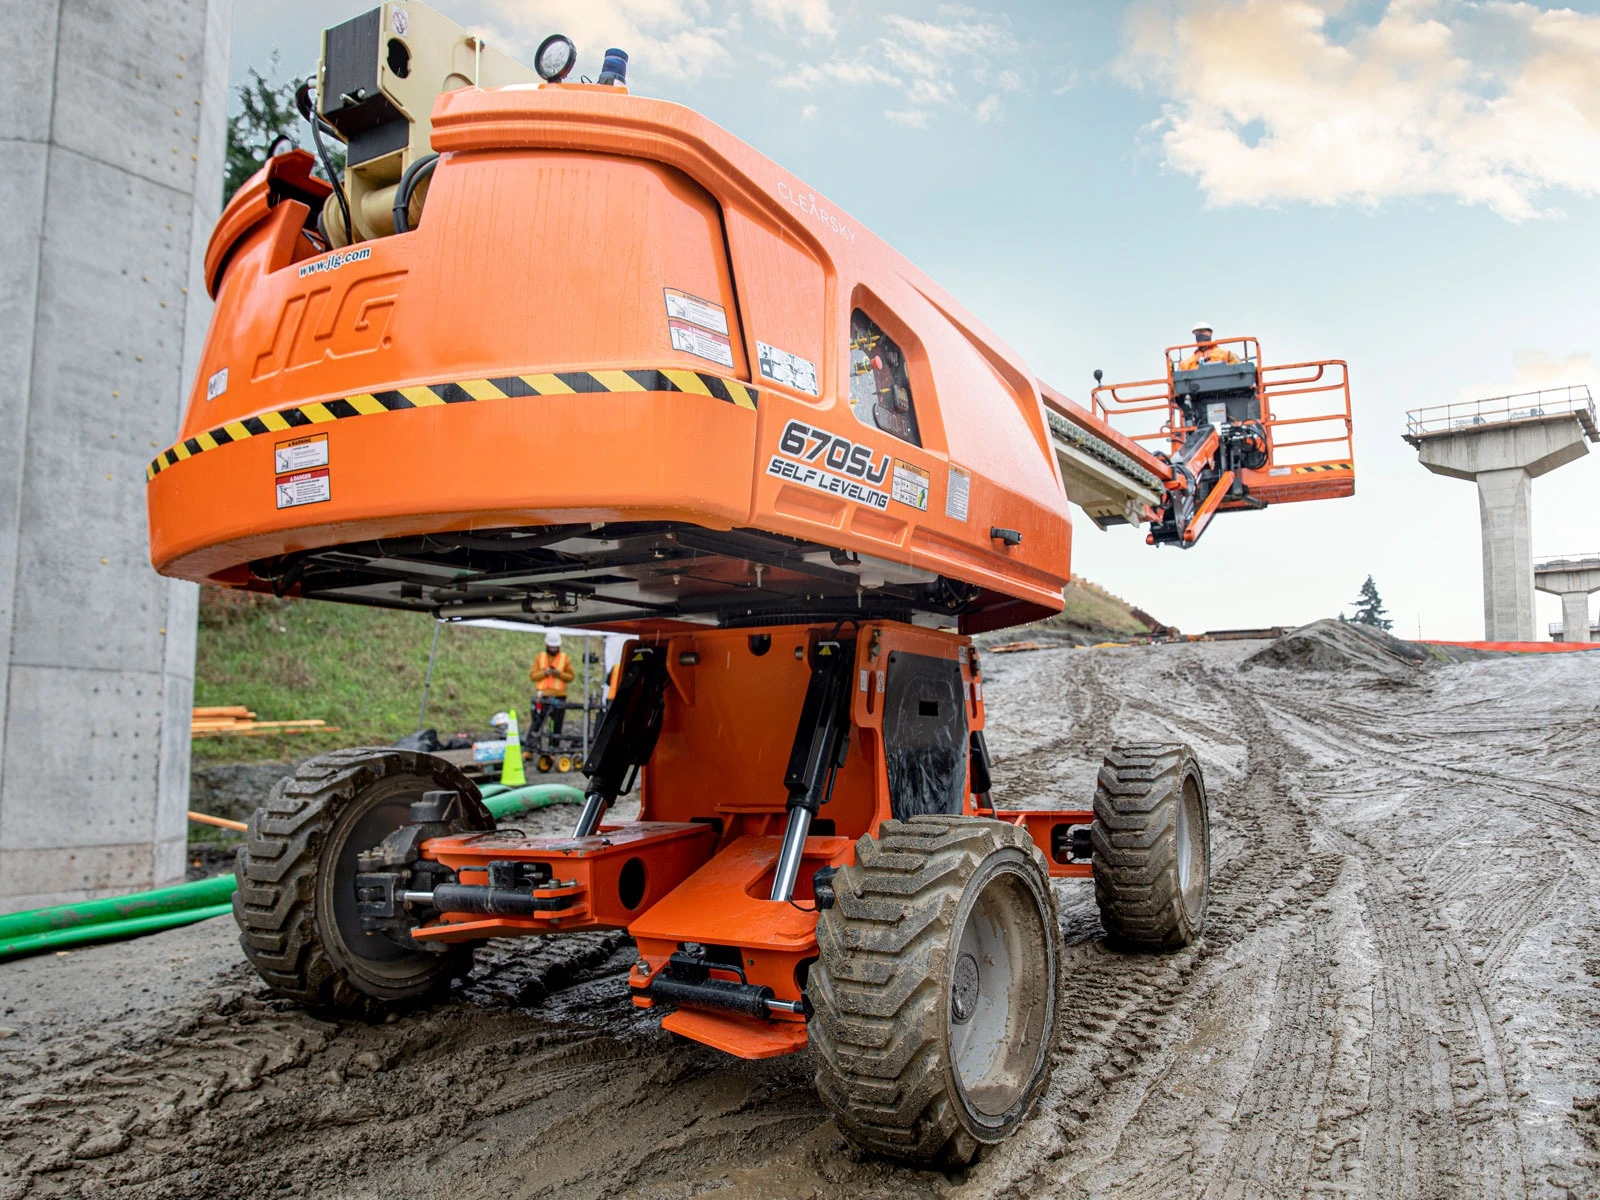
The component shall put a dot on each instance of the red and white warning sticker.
(303, 487)
(300, 454)
(703, 343)
(698, 327)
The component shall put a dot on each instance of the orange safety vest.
(1208, 354)
(552, 685)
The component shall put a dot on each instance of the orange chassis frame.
(696, 868)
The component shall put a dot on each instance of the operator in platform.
(1207, 351)
(551, 672)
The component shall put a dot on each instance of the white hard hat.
(1199, 325)
(552, 639)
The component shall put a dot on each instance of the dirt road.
(1398, 994)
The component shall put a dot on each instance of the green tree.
(1369, 608)
(266, 111)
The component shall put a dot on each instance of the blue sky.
(1411, 185)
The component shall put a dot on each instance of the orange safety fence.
(1517, 647)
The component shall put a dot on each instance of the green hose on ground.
(185, 896)
(101, 931)
(164, 908)
(507, 803)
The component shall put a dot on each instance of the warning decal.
(955, 500)
(910, 485)
(305, 487)
(681, 306)
(703, 343)
(300, 454)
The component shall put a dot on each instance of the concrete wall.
(113, 116)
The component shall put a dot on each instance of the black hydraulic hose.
(302, 101)
(414, 174)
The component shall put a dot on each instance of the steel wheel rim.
(1190, 845)
(996, 1012)
(373, 955)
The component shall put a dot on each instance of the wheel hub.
(964, 991)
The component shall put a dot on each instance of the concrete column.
(113, 116)
(1575, 616)
(1504, 459)
(1573, 579)
(1505, 508)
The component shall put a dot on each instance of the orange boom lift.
(814, 476)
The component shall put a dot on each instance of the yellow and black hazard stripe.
(1324, 467)
(462, 391)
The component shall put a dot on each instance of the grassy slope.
(1090, 606)
(360, 669)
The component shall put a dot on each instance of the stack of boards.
(237, 720)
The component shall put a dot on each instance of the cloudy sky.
(1412, 186)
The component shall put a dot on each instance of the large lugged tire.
(1152, 846)
(935, 989)
(295, 903)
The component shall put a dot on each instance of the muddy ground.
(1396, 996)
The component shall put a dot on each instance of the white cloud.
(916, 118)
(814, 18)
(1533, 370)
(1493, 103)
(933, 63)
(808, 113)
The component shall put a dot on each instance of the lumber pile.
(235, 720)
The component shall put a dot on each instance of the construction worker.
(1207, 351)
(551, 672)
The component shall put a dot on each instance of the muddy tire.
(935, 988)
(295, 904)
(1152, 847)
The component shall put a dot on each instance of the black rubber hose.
(414, 174)
(302, 101)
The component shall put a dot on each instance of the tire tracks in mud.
(1121, 1011)
(1343, 1028)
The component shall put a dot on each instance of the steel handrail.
(1439, 418)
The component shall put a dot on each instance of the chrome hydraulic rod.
(821, 742)
(794, 848)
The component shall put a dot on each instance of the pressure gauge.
(555, 58)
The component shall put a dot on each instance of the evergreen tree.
(1369, 607)
(266, 112)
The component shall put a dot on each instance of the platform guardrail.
(1561, 562)
(1574, 400)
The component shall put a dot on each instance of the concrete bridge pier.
(1572, 578)
(1503, 455)
(113, 117)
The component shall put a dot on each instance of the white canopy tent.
(611, 655)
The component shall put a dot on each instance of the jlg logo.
(836, 453)
(336, 321)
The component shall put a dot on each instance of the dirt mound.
(1330, 645)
